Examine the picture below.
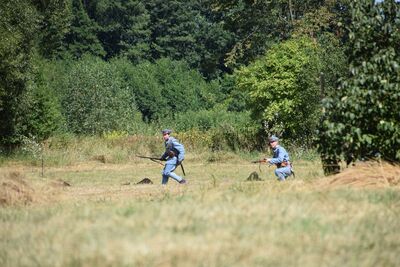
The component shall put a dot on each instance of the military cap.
(273, 139)
(166, 131)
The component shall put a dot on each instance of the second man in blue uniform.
(174, 155)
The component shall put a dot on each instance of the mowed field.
(102, 218)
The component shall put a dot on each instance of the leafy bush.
(39, 111)
(94, 99)
(361, 118)
(283, 88)
(224, 130)
(205, 120)
(166, 87)
(18, 26)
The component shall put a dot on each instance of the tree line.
(283, 66)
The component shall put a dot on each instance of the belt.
(283, 164)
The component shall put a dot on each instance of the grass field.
(217, 219)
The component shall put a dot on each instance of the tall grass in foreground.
(217, 219)
(242, 224)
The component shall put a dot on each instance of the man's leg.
(168, 172)
(282, 173)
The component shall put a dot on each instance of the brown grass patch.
(14, 189)
(370, 174)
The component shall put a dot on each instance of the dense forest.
(321, 73)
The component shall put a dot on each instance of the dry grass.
(218, 219)
(116, 181)
(370, 174)
(15, 189)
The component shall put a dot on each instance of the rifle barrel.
(154, 159)
(145, 157)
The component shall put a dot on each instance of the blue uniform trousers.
(168, 171)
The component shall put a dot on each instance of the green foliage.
(333, 63)
(232, 98)
(173, 40)
(222, 129)
(362, 117)
(94, 99)
(185, 30)
(123, 27)
(39, 111)
(18, 27)
(82, 36)
(256, 25)
(283, 88)
(55, 25)
(166, 87)
(322, 26)
(205, 120)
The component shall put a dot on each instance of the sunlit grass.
(217, 219)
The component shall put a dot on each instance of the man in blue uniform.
(280, 159)
(174, 154)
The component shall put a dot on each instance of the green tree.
(257, 25)
(18, 29)
(187, 30)
(124, 27)
(39, 112)
(82, 36)
(56, 24)
(166, 87)
(283, 88)
(362, 117)
(95, 100)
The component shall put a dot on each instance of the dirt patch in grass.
(145, 181)
(370, 174)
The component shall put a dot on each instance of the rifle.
(282, 164)
(259, 161)
(156, 160)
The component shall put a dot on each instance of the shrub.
(283, 88)
(165, 88)
(361, 118)
(95, 100)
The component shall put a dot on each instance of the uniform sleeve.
(178, 146)
(280, 156)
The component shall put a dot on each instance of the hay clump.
(370, 174)
(14, 190)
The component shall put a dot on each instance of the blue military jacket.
(280, 155)
(173, 145)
